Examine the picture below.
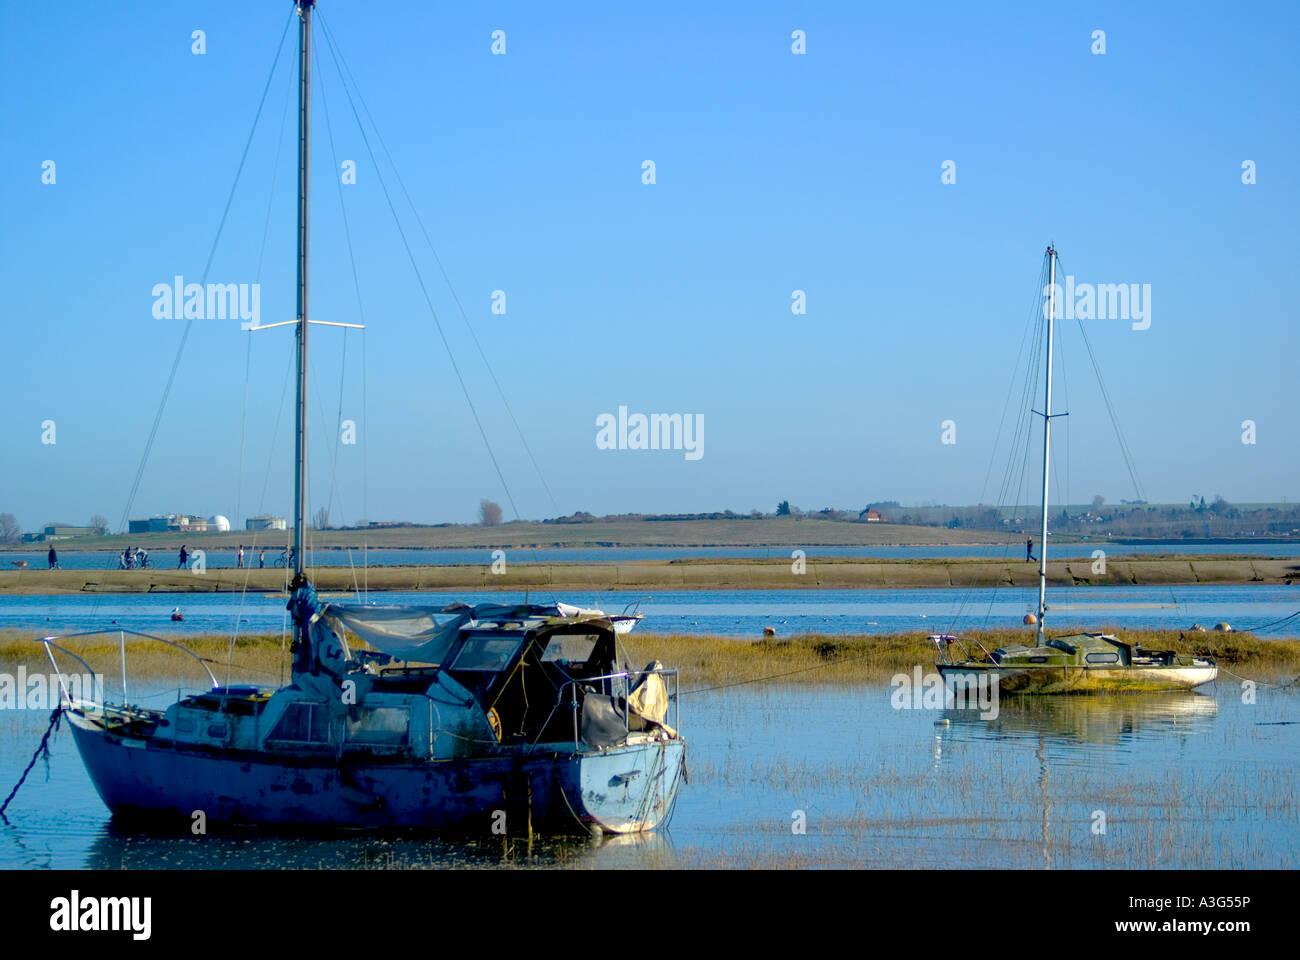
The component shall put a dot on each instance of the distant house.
(169, 522)
(62, 531)
(265, 522)
(871, 515)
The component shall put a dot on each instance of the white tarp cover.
(425, 634)
(422, 634)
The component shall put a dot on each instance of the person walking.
(261, 558)
(185, 556)
(1029, 550)
(240, 562)
(54, 559)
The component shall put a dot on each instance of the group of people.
(239, 561)
(138, 558)
(261, 557)
(132, 559)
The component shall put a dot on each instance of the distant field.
(739, 532)
(692, 574)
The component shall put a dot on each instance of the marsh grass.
(704, 661)
(820, 659)
(253, 659)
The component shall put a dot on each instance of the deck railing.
(65, 693)
(669, 674)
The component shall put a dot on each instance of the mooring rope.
(42, 749)
(777, 676)
(1265, 683)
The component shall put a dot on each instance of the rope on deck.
(42, 749)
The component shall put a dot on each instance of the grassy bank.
(690, 574)
(814, 659)
(703, 660)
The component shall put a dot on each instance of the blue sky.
(775, 172)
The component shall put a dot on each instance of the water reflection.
(1103, 720)
(121, 847)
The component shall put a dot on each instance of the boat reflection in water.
(1098, 719)
(1077, 743)
(121, 848)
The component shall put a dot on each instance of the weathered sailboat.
(1081, 662)
(498, 716)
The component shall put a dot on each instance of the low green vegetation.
(703, 660)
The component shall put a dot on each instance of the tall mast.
(303, 648)
(1047, 447)
(304, 177)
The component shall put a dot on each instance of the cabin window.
(1111, 657)
(486, 653)
(381, 726)
(575, 648)
(303, 723)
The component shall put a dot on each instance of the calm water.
(81, 560)
(1189, 780)
(740, 613)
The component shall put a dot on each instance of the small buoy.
(1223, 627)
(177, 615)
(769, 633)
(1030, 620)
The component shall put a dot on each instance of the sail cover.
(422, 634)
(425, 634)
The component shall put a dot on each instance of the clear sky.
(774, 172)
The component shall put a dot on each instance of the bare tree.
(322, 519)
(9, 529)
(489, 513)
(1097, 501)
(99, 524)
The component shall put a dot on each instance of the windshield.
(487, 653)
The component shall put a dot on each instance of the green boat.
(1076, 663)
(1073, 663)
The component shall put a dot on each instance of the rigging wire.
(340, 57)
(189, 323)
(248, 363)
(1027, 357)
(1124, 448)
(424, 288)
(261, 259)
(356, 285)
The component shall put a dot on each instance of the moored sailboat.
(1079, 662)
(498, 716)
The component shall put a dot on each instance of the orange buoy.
(1030, 620)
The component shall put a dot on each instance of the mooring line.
(777, 676)
(1280, 686)
(43, 748)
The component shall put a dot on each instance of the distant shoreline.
(690, 574)
(201, 541)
